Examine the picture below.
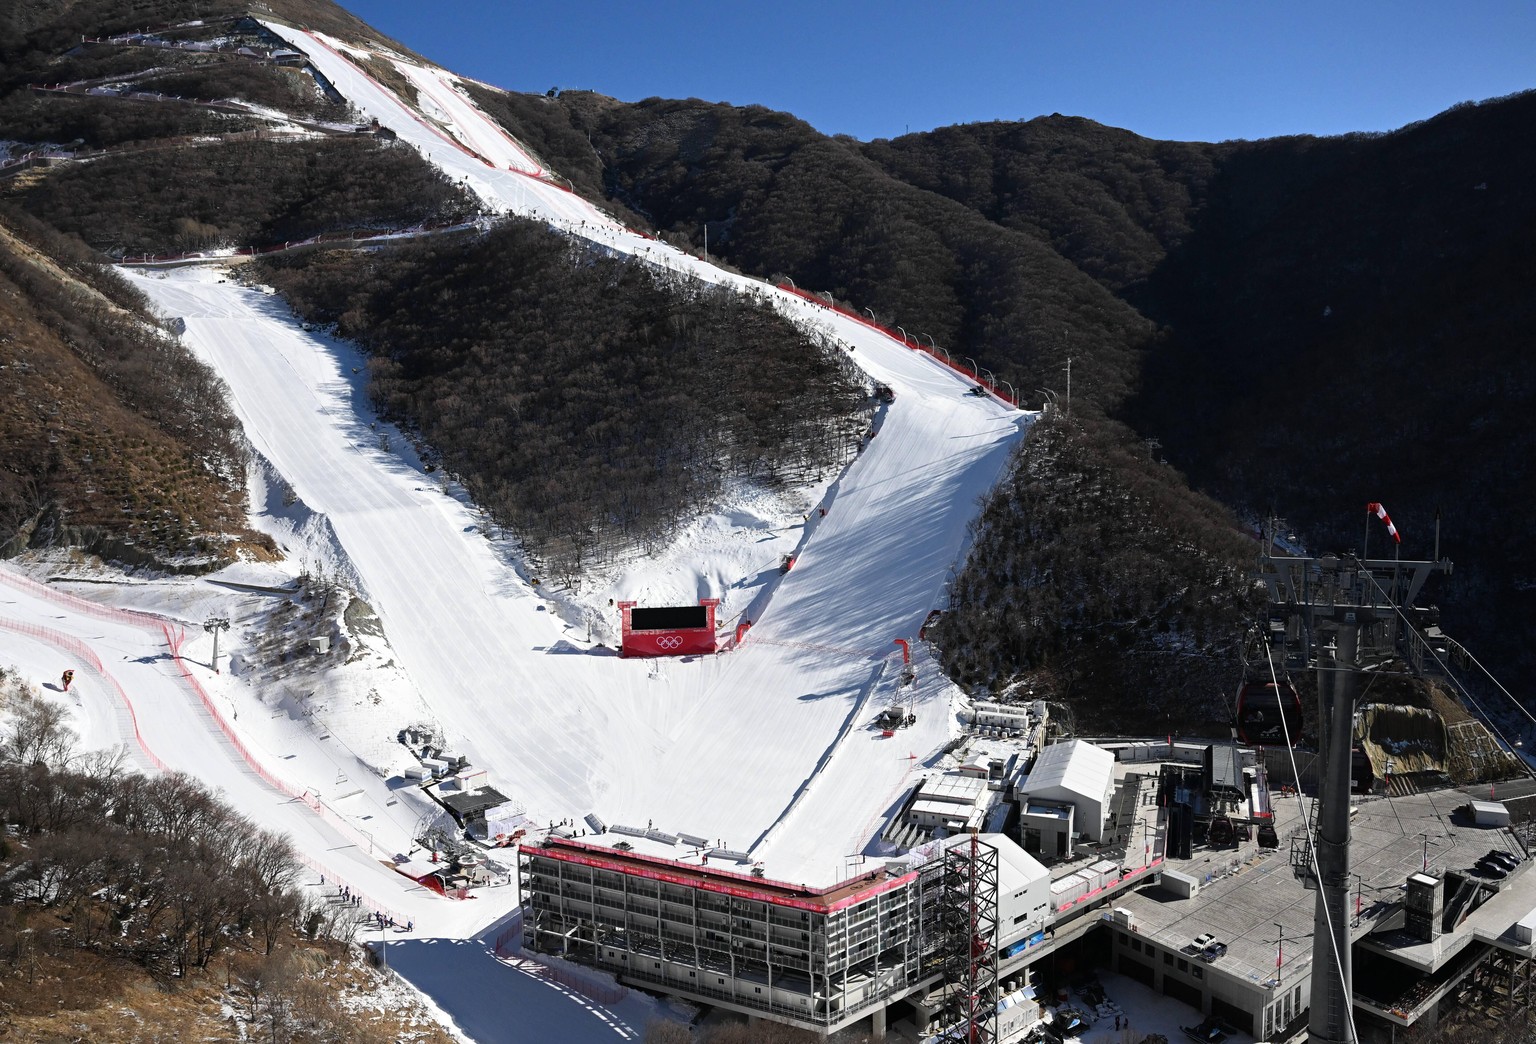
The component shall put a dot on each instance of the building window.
(720, 981)
(1167, 958)
(1136, 945)
(1183, 965)
(757, 989)
(656, 964)
(690, 975)
(1123, 938)
(1199, 972)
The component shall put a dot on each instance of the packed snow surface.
(713, 746)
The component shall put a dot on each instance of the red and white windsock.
(1381, 513)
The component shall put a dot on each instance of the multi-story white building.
(819, 958)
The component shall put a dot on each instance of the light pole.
(1427, 843)
(1279, 952)
(871, 312)
(931, 345)
(903, 335)
(215, 624)
(968, 359)
(991, 380)
(1013, 395)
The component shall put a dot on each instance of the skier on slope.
(68, 677)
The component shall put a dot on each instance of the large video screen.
(668, 618)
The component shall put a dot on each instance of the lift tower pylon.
(1337, 616)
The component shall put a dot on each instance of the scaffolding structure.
(968, 921)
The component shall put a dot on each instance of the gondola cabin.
(1267, 713)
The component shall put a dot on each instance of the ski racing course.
(766, 748)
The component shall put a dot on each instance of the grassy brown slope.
(114, 437)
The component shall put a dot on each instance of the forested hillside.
(780, 199)
(140, 907)
(589, 402)
(1101, 580)
(114, 437)
(1300, 325)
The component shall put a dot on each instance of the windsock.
(1381, 513)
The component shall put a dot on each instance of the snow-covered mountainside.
(766, 746)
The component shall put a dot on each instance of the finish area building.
(819, 958)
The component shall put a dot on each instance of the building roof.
(468, 802)
(1224, 767)
(744, 886)
(951, 786)
(943, 809)
(1016, 868)
(1076, 767)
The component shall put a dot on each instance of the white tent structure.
(1075, 773)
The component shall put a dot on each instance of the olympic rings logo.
(670, 641)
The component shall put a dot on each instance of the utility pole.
(215, 624)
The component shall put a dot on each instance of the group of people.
(382, 921)
(376, 919)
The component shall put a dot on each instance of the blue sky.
(1194, 71)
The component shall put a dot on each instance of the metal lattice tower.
(969, 923)
(1337, 616)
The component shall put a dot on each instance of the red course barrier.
(840, 310)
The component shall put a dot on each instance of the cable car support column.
(1329, 1020)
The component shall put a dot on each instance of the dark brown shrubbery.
(587, 401)
(155, 869)
(1102, 581)
(248, 193)
(114, 436)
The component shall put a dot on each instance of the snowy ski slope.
(722, 747)
(766, 748)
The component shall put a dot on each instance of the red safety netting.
(893, 335)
